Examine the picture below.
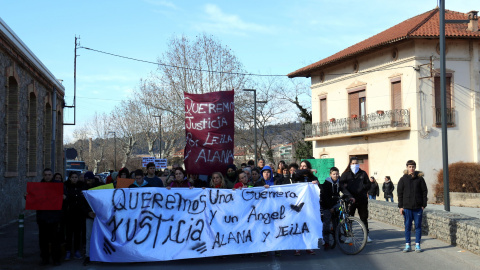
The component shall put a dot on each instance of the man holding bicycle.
(357, 184)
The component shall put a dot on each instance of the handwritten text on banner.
(156, 224)
(209, 129)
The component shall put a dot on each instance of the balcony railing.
(373, 121)
(450, 116)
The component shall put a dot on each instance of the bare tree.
(200, 66)
(99, 128)
(81, 135)
(126, 123)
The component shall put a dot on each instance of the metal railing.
(450, 116)
(378, 120)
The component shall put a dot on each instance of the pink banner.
(209, 129)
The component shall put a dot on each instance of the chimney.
(473, 24)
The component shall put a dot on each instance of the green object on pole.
(21, 227)
(322, 166)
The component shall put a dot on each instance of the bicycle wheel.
(351, 235)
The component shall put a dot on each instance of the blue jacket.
(269, 181)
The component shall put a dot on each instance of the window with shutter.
(323, 110)
(353, 104)
(438, 100)
(323, 116)
(59, 143)
(12, 125)
(32, 133)
(357, 106)
(396, 103)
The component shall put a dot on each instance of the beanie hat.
(89, 175)
(232, 166)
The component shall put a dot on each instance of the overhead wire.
(223, 72)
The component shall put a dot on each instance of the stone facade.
(455, 229)
(19, 64)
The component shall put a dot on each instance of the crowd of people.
(73, 224)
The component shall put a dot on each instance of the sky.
(268, 37)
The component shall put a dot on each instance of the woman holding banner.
(217, 181)
(180, 179)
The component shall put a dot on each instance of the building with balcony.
(31, 121)
(379, 99)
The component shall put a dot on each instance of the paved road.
(383, 253)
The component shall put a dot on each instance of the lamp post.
(255, 119)
(115, 149)
(159, 134)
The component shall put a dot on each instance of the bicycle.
(350, 233)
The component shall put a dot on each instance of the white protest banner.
(161, 163)
(146, 160)
(156, 224)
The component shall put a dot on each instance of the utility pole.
(443, 101)
(159, 135)
(77, 44)
(255, 119)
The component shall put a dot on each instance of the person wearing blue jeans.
(373, 192)
(388, 189)
(412, 199)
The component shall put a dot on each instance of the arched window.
(59, 142)
(32, 133)
(47, 135)
(12, 125)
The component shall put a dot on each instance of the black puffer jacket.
(374, 190)
(412, 191)
(73, 204)
(357, 185)
(388, 189)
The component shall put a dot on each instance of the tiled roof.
(425, 25)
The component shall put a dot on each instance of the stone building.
(379, 99)
(31, 122)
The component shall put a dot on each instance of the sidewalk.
(468, 211)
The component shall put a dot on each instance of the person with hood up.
(266, 178)
(231, 176)
(388, 188)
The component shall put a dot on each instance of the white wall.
(389, 152)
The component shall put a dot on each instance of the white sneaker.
(368, 239)
(348, 240)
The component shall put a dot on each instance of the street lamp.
(255, 118)
(159, 134)
(115, 147)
